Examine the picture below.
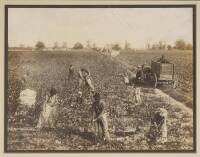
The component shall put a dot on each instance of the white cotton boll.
(27, 97)
(126, 80)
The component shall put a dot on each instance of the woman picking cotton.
(49, 114)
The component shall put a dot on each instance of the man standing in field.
(71, 72)
(99, 118)
(85, 84)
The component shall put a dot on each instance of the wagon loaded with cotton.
(161, 71)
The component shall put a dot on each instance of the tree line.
(179, 44)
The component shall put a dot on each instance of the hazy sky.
(102, 25)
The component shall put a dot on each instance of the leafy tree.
(39, 45)
(94, 45)
(55, 45)
(169, 47)
(180, 44)
(78, 45)
(127, 45)
(116, 47)
(161, 45)
(154, 47)
(189, 46)
(64, 45)
(88, 44)
(21, 46)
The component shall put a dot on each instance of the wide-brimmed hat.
(85, 70)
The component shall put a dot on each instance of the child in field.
(79, 98)
(99, 118)
(48, 116)
(137, 95)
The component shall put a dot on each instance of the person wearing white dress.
(48, 116)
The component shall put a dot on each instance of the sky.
(102, 26)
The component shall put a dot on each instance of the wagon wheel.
(155, 80)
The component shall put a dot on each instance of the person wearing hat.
(99, 118)
(71, 72)
(85, 81)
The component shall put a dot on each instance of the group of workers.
(49, 114)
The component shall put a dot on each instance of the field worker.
(24, 80)
(99, 119)
(138, 73)
(71, 72)
(126, 80)
(85, 83)
(158, 128)
(137, 95)
(49, 114)
(79, 99)
(142, 73)
(162, 59)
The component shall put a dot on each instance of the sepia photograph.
(100, 78)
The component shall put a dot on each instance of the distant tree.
(164, 46)
(88, 44)
(64, 45)
(78, 45)
(148, 46)
(155, 46)
(189, 46)
(39, 45)
(161, 45)
(127, 45)
(116, 47)
(180, 44)
(169, 47)
(55, 46)
(94, 45)
(21, 46)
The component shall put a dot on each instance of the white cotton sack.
(115, 53)
(27, 97)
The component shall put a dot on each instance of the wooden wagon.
(161, 71)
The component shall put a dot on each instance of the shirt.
(98, 107)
